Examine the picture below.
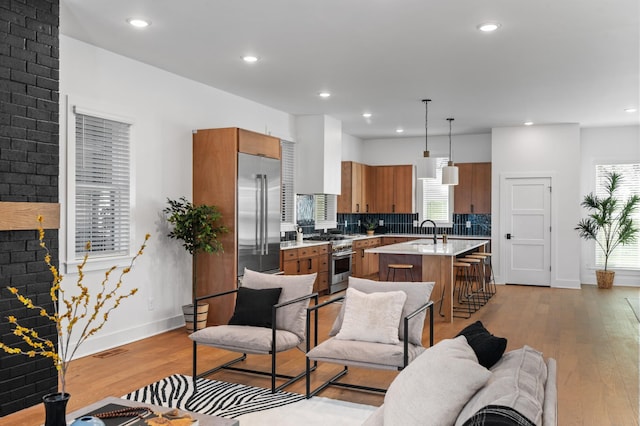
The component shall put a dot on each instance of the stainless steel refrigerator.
(258, 213)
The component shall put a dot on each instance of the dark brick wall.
(29, 161)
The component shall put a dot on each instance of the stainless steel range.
(341, 265)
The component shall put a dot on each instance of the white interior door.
(527, 240)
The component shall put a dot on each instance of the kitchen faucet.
(435, 240)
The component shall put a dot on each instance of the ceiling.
(550, 62)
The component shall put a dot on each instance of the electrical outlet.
(150, 303)
(358, 222)
(415, 224)
(381, 222)
(468, 224)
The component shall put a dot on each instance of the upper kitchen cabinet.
(473, 192)
(358, 188)
(394, 189)
(319, 152)
(215, 182)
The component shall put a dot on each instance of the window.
(624, 256)
(288, 202)
(326, 208)
(436, 198)
(102, 185)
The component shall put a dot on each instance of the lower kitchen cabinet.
(307, 260)
(365, 264)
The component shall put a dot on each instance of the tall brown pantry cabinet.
(215, 171)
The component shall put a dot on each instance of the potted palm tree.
(609, 223)
(198, 229)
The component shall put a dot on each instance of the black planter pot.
(55, 408)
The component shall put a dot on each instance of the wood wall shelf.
(17, 216)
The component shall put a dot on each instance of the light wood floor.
(593, 334)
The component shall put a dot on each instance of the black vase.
(55, 408)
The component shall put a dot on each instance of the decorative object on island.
(609, 223)
(81, 313)
(197, 228)
(426, 168)
(450, 172)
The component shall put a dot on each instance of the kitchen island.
(431, 262)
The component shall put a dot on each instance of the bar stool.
(489, 277)
(477, 278)
(402, 266)
(462, 283)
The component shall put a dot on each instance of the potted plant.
(198, 229)
(609, 223)
(371, 225)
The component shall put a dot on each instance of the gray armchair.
(269, 317)
(379, 326)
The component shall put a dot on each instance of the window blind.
(435, 195)
(624, 256)
(287, 202)
(102, 179)
(326, 208)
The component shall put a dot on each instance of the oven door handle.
(343, 255)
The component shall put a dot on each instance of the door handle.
(309, 263)
(508, 236)
(298, 267)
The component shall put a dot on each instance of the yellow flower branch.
(78, 309)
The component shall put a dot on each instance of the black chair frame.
(229, 365)
(334, 380)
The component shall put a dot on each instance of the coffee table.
(204, 419)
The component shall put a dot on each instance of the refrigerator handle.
(258, 222)
(265, 209)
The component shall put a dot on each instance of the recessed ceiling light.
(324, 94)
(250, 59)
(399, 130)
(528, 123)
(488, 27)
(139, 23)
(366, 115)
(630, 110)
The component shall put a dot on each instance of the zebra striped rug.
(216, 398)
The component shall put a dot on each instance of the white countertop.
(285, 245)
(425, 247)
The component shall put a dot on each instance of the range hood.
(318, 154)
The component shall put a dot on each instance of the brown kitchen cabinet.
(307, 260)
(473, 192)
(215, 171)
(357, 188)
(365, 264)
(394, 189)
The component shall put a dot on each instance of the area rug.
(250, 405)
(634, 302)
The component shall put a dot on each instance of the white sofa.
(447, 386)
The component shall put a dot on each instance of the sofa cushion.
(242, 338)
(373, 317)
(417, 295)
(488, 348)
(517, 381)
(255, 307)
(498, 415)
(292, 317)
(435, 386)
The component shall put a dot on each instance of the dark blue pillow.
(488, 348)
(253, 306)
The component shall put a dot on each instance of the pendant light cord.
(450, 120)
(426, 125)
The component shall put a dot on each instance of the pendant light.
(450, 172)
(426, 167)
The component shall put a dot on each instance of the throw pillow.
(254, 307)
(498, 415)
(291, 317)
(417, 295)
(373, 317)
(435, 386)
(488, 348)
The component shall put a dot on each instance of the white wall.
(605, 145)
(165, 108)
(465, 149)
(352, 148)
(542, 150)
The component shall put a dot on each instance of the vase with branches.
(198, 227)
(609, 223)
(77, 315)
